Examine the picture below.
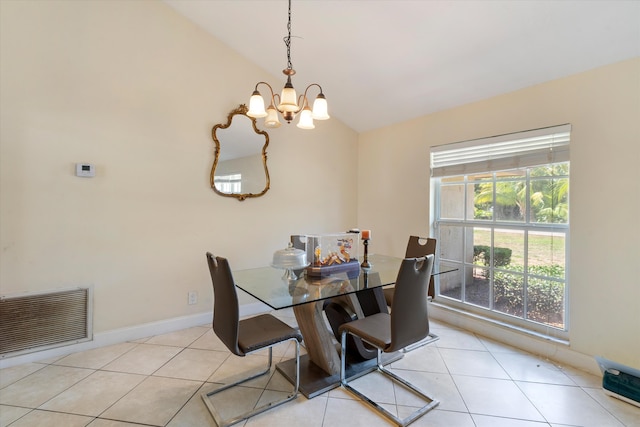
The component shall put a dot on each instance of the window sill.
(552, 348)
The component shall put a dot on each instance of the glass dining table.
(268, 285)
(359, 291)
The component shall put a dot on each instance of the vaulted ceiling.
(381, 62)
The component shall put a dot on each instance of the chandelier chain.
(287, 40)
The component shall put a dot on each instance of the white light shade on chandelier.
(287, 103)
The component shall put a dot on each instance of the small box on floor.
(619, 381)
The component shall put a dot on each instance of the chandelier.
(288, 103)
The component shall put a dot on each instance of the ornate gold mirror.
(240, 162)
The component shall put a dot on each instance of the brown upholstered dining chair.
(408, 323)
(416, 247)
(245, 336)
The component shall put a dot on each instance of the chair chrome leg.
(431, 403)
(224, 423)
(428, 340)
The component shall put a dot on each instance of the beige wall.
(134, 88)
(603, 106)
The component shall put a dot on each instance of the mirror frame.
(241, 110)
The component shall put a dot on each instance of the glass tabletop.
(268, 285)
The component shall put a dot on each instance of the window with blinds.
(523, 149)
(501, 209)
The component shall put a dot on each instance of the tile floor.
(158, 381)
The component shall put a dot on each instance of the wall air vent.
(38, 321)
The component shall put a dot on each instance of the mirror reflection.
(240, 163)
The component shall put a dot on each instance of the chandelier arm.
(309, 87)
(302, 101)
(268, 85)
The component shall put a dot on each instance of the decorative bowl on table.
(290, 259)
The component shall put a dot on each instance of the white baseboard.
(550, 348)
(130, 333)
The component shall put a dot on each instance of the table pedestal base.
(315, 381)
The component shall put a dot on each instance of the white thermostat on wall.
(85, 170)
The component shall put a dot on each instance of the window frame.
(526, 226)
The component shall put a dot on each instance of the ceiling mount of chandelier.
(287, 103)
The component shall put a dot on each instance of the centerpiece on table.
(332, 253)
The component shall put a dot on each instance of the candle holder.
(365, 261)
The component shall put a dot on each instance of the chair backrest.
(409, 317)
(415, 247)
(421, 246)
(226, 313)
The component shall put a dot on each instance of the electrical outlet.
(193, 297)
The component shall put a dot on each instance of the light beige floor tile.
(94, 394)
(625, 412)
(426, 359)
(299, 412)
(209, 341)
(110, 423)
(495, 397)
(436, 325)
(155, 401)
(273, 396)
(376, 387)
(458, 339)
(15, 373)
(582, 378)
(143, 359)
(50, 360)
(473, 363)
(440, 418)
(195, 413)
(568, 405)
(498, 347)
(193, 364)
(39, 418)
(486, 421)
(395, 410)
(352, 413)
(9, 414)
(97, 357)
(233, 401)
(408, 401)
(182, 338)
(340, 393)
(235, 368)
(525, 367)
(278, 382)
(35, 389)
(438, 386)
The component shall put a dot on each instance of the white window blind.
(510, 151)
